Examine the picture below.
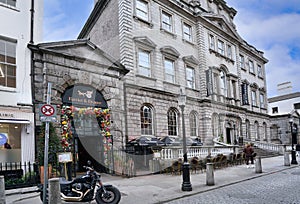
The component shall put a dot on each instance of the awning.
(15, 121)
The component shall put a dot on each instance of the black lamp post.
(186, 184)
(294, 131)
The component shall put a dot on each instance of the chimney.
(284, 88)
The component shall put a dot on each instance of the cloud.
(272, 28)
(63, 20)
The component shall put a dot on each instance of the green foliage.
(53, 146)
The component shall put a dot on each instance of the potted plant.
(53, 148)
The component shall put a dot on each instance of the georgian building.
(21, 23)
(193, 46)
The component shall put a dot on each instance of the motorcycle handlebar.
(88, 168)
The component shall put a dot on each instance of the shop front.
(16, 136)
(85, 123)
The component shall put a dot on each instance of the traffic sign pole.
(46, 148)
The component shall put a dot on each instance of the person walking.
(248, 150)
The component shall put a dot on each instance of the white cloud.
(273, 28)
(62, 21)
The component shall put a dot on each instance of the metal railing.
(18, 174)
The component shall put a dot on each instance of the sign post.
(48, 111)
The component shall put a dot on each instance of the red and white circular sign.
(47, 110)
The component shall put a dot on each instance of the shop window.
(10, 142)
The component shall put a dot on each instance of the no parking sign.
(47, 112)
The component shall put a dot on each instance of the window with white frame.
(221, 47)
(172, 122)
(193, 124)
(229, 51)
(260, 71)
(144, 63)
(262, 100)
(187, 32)
(253, 97)
(146, 120)
(251, 66)
(8, 63)
(9, 2)
(142, 10)
(242, 61)
(211, 42)
(190, 77)
(166, 21)
(169, 70)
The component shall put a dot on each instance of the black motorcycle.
(87, 188)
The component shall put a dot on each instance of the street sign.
(48, 110)
(47, 119)
(47, 113)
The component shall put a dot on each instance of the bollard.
(54, 191)
(210, 180)
(287, 159)
(258, 168)
(2, 190)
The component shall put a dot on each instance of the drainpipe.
(31, 21)
(32, 72)
(125, 112)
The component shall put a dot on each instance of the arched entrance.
(85, 126)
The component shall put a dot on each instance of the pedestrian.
(7, 146)
(248, 150)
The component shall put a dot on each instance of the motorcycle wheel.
(112, 196)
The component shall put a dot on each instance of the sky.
(271, 26)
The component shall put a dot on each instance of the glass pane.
(11, 52)
(11, 2)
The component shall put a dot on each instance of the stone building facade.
(193, 46)
(87, 89)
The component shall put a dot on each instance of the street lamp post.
(186, 184)
(294, 132)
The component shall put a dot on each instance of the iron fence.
(19, 175)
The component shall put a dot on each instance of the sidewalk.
(162, 188)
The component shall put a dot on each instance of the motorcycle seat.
(64, 181)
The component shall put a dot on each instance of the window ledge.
(9, 7)
(220, 55)
(189, 42)
(171, 83)
(143, 21)
(168, 32)
(145, 77)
